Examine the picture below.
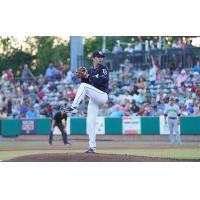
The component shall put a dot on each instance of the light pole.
(104, 44)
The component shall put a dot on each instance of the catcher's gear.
(81, 72)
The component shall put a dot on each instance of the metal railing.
(169, 57)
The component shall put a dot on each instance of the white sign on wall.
(131, 125)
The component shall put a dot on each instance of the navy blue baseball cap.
(98, 54)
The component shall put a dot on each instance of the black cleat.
(91, 150)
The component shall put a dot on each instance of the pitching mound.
(82, 157)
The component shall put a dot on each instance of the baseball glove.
(81, 72)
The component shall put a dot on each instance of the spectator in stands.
(128, 49)
(153, 72)
(69, 77)
(10, 75)
(125, 97)
(4, 103)
(181, 78)
(198, 111)
(174, 44)
(161, 106)
(190, 109)
(146, 45)
(31, 113)
(51, 72)
(188, 53)
(183, 110)
(189, 100)
(117, 48)
(189, 43)
(9, 107)
(3, 114)
(138, 46)
(196, 68)
(117, 112)
(151, 44)
(23, 110)
(181, 43)
(134, 108)
(144, 110)
(27, 74)
(153, 111)
(71, 94)
(4, 75)
(141, 83)
(197, 91)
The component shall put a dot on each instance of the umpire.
(57, 121)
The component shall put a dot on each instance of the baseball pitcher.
(95, 86)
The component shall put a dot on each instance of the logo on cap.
(98, 54)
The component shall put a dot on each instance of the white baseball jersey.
(172, 111)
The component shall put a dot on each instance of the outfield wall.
(105, 125)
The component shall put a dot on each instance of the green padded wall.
(113, 126)
(78, 126)
(10, 127)
(150, 126)
(190, 125)
(43, 126)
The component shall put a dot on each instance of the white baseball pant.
(173, 126)
(97, 98)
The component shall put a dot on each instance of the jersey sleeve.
(56, 116)
(101, 77)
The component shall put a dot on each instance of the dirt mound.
(82, 157)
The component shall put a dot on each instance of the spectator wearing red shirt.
(10, 75)
(181, 44)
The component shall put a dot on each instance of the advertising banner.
(28, 126)
(131, 125)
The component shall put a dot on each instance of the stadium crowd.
(132, 92)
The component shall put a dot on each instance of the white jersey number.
(104, 71)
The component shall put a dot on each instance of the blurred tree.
(11, 54)
(15, 60)
(51, 49)
(95, 43)
(36, 51)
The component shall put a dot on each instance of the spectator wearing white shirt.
(174, 44)
(117, 48)
(152, 72)
(138, 46)
(128, 49)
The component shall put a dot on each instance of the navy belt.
(172, 117)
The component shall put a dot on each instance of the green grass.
(22, 144)
(162, 153)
